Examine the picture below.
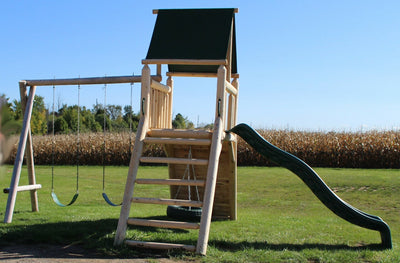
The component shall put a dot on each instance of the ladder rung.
(173, 160)
(163, 223)
(157, 245)
(171, 182)
(178, 141)
(164, 201)
(175, 133)
(28, 187)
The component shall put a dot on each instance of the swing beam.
(25, 146)
(89, 81)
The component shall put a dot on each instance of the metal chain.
(53, 141)
(78, 140)
(104, 134)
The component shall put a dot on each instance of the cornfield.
(374, 149)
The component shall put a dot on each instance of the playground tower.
(192, 43)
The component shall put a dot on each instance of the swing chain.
(78, 140)
(53, 140)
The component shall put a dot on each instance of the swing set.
(75, 197)
(25, 147)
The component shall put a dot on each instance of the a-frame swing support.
(25, 147)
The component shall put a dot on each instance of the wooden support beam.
(178, 141)
(175, 133)
(215, 62)
(235, 84)
(220, 102)
(171, 182)
(170, 83)
(163, 223)
(155, 11)
(88, 81)
(172, 160)
(197, 74)
(191, 74)
(29, 153)
(161, 87)
(230, 88)
(165, 201)
(157, 245)
(209, 192)
(29, 187)
(159, 71)
(20, 154)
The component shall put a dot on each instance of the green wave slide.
(315, 183)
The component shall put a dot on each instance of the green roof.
(193, 34)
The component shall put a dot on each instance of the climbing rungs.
(156, 245)
(173, 133)
(178, 141)
(163, 223)
(24, 188)
(171, 182)
(173, 160)
(163, 201)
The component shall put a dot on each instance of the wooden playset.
(202, 164)
(193, 43)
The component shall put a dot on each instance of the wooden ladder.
(173, 139)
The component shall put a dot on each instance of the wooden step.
(172, 160)
(165, 201)
(163, 223)
(157, 245)
(178, 141)
(176, 133)
(171, 182)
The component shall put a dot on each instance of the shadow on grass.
(79, 239)
(236, 246)
(59, 233)
(94, 239)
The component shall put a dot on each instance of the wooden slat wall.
(224, 206)
(160, 112)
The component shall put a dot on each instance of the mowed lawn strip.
(279, 219)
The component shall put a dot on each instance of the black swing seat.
(108, 201)
(57, 201)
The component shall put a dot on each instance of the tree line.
(68, 119)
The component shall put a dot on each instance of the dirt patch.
(45, 253)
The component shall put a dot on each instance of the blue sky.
(304, 65)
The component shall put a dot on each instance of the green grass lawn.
(279, 219)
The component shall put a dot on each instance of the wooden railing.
(161, 105)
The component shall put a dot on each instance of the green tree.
(39, 116)
(17, 110)
(61, 125)
(181, 122)
(89, 122)
(70, 115)
(100, 119)
(131, 118)
(119, 124)
(8, 124)
(114, 111)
